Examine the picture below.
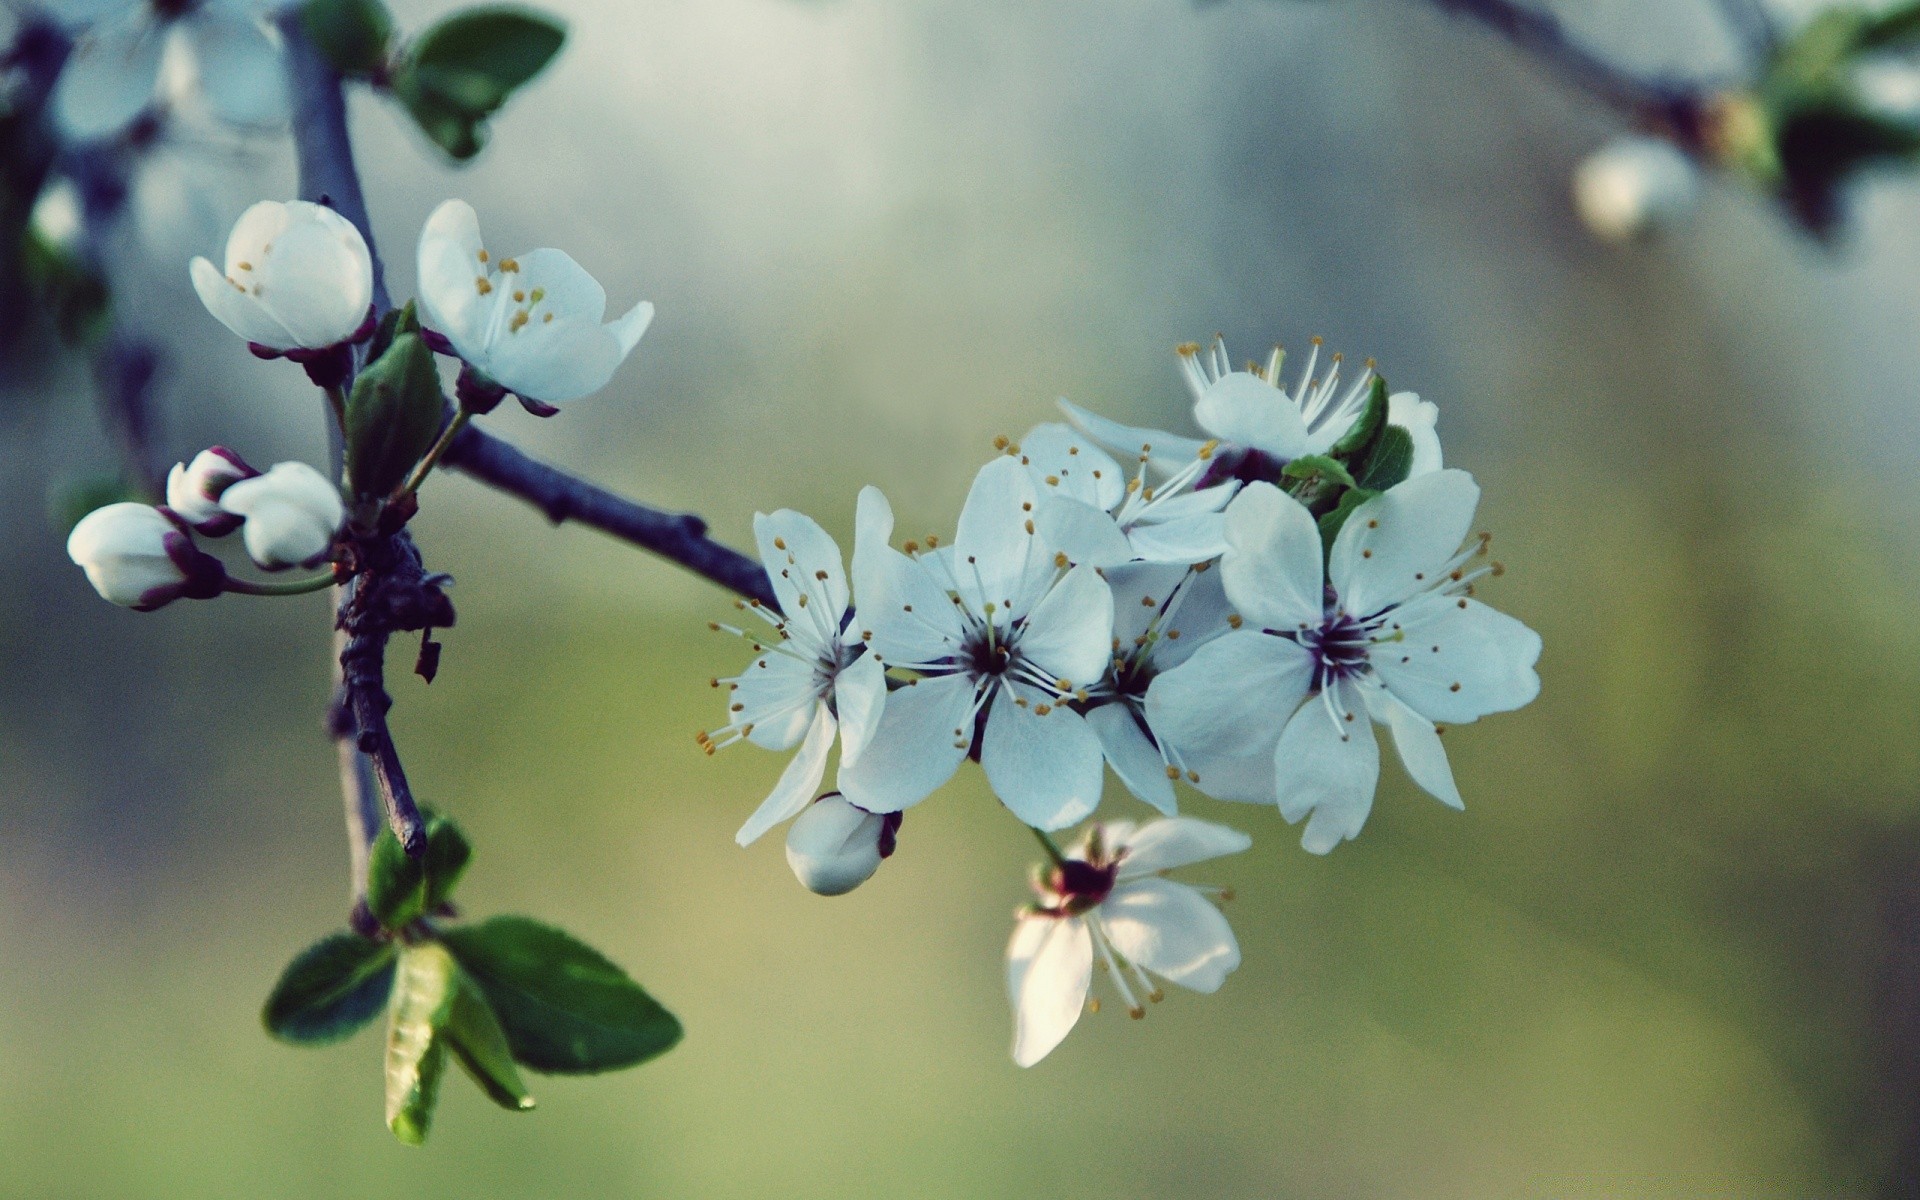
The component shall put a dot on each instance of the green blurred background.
(1672, 948)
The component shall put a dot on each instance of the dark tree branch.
(124, 369)
(679, 537)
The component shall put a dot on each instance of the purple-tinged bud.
(835, 845)
(292, 513)
(194, 489)
(143, 557)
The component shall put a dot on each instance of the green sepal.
(1388, 462)
(1331, 523)
(462, 69)
(353, 35)
(1317, 469)
(1373, 418)
(330, 990)
(393, 416)
(474, 1036)
(423, 995)
(448, 852)
(564, 1008)
(393, 323)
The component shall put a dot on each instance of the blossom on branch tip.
(194, 489)
(298, 279)
(1388, 633)
(120, 64)
(834, 846)
(142, 557)
(813, 680)
(1110, 898)
(534, 323)
(291, 514)
(1003, 637)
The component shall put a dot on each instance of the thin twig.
(363, 667)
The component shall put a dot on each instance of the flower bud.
(292, 513)
(1635, 186)
(142, 557)
(298, 277)
(194, 489)
(835, 846)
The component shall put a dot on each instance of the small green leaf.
(393, 323)
(476, 1039)
(1372, 420)
(479, 56)
(1331, 524)
(330, 990)
(448, 852)
(353, 35)
(393, 416)
(456, 131)
(1389, 462)
(396, 884)
(1317, 468)
(563, 1006)
(423, 995)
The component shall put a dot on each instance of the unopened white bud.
(835, 846)
(1635, 186)
(142, 557)
(292, 513)
(194, 489)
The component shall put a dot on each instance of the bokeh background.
(1672, 948)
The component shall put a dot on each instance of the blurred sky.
(1669, 949)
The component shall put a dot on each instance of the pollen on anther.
(1454, 688)
(1029, 524)
(508, 264)
(1059, 559)
(519, 297)
(481, 285)
(1234, 621)
(1373, 524)
(714, 625)
(1148, 602)
(547, 319)
(1193, 776)
(1001, 442)
(1173, 772)
(1366, 554)
(1093, 1004)
(1136, 1012)
(483, 256)
(933, 542)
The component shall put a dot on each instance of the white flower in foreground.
(1109, 897)
(834, 847)
(297, 277)
(1390, 634)
(194, 489)
(1635, 186)
(142, 557)
(121, 63)
(998, 625)
(291, 514)
(1092, 510)
(533, 323)
(812, 680)
(1260, 423)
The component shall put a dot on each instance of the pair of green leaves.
(395, 411)
(453, 77)
(496, 996)
(1368, 459)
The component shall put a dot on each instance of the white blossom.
(217, 50)
(533, 323)
(834, 846)
(1390, 632)
(1634, 186)
(812, 680)
(1110, 898)
(194, 489)
(1090, 508)
(291, 514)
(142, 557)
(999, 630)
(298, 277)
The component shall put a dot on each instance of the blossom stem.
(277, 587)
(1047, 844)
(421, 469)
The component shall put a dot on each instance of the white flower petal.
(1246, 410)
(834, 847)
(1064, 462)
(1417, 741)
(1140, 591)
(1243, 778)
(994, 553)
(1271, 570)
(1418, 418)
(1327, 766)
(905, 616)
(776, 695)
(1171, 930)
(924, 732)
(1045, 768)
(449, 265)
(1457, 659)
(292, 512)
(555, 361)
(237, 310)
(1395, 544)
(1178, 842)
(1201, 617)
(1049, 968)
(1069, 634)
(1194, 539)
(110, 75)
(629, 327)
(238, 67)
(1132, 755)
(797, 553)
(317, 278)
(860, 695)
(1165, 451)
(1236, 692)
(798, 783)
(1085, 534)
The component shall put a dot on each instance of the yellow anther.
(481, 285)
(519, 319)
(519, 297)
(1234, 621)
(508, 264)
(483, 256)
(539, 294)
(244, 266)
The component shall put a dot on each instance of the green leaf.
(1897, 26)
(330, 990)
(448, 852)
(1372, 420)
(393, 416)
(423, 995)
(1317, 468)
(474, 1035)
(456, 131)
(1389, 461)
(396, 884)
(1331, 524)
(476, 58)
(353, 35)
(563, 1006)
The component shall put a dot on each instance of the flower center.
(1339, 649)
(987, 656)
(1080, 885)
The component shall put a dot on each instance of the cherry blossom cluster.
(1231, 613)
